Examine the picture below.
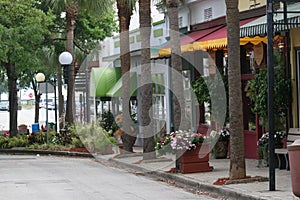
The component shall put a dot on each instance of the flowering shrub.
(222, 135)
(180, 140)
(278, 136)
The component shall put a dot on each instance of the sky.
(156, 16)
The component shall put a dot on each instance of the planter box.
(220, 149)
(196, 160)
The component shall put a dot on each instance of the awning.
(259, 26)
(116, 90)
(218, 39)
(103, 79)
(186, 42)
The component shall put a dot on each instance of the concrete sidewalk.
(204, 181)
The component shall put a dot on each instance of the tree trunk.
(60, 97)
(146, 82)
(13, 100)
(237, 157)
(180, 121)
(72, 12)
(124, 14)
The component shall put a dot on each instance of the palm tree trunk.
(180, 121)
(71, 16)
(124, 14)
(60, 97)
(146, 82)
(237, 157)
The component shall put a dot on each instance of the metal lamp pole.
(47, 128)
(40, 78)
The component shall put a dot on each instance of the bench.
(282, 154)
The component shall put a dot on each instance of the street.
(46, 177)
(26, 116)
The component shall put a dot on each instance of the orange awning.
(186, 42)
(218, 39)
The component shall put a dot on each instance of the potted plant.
(191, 149)
(220, 142)
(263, 146)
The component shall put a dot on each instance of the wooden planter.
(220, 149)
(196, 160)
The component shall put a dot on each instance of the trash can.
(51, 125)
(35, 128)
(294, 155)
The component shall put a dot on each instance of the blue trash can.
(35, 128)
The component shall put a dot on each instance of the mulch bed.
(80, 150)
(247, 179)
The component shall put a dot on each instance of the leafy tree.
(23, 30)
(257, 90)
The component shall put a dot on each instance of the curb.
(185, 182)
(45, 152)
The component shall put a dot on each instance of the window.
(117, 44)
(208, 14)
(158, 32)
(138, 38)
(131, 39)
(180, 22)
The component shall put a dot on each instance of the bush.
(18, 141)
(108, 122)
(93, 137)
(4, 142)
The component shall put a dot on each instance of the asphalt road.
(62, 178)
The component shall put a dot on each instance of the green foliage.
(213, 89)
(257, 91)
(23, 30)
(18, 141)
(4, 141)
(93, 137)
(76, 142)
(108, 122)
(90, 29)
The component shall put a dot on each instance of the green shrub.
(92, 136)
(4, 142)
(18, 141)
(108, 122)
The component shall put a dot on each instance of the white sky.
(156, 16)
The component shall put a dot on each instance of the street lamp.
(40, 78)
(66, 59)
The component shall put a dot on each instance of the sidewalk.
(204, 181)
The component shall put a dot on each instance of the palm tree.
(125, 10)
(237, 157)
(180, 121)
(72, 9)
(146, 89)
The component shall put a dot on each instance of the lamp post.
(40, 78)
(65, 59)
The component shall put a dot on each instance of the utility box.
(294, 159)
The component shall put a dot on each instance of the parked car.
(51, 106)
(42, 103)
(4, 106)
